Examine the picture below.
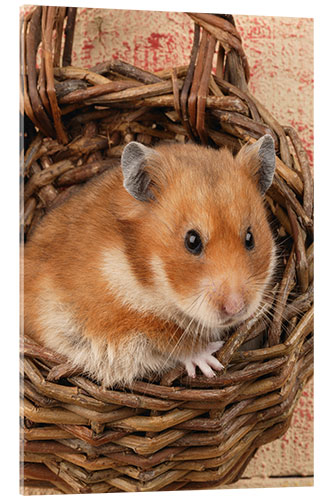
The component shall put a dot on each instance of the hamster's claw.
(205, 361)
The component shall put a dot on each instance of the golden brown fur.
(108, 278)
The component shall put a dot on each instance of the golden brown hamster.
(147, 266)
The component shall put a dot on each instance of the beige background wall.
(279, 49)
(280, 53)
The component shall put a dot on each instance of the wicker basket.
(169, 433)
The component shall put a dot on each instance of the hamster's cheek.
(198, 307)
(180, 287)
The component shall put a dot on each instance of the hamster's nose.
(232, 304)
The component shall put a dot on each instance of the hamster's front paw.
(204, 360)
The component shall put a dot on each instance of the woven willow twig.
(171, 432)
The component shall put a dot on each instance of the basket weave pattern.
(166, 433)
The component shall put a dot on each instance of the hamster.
(147, 266)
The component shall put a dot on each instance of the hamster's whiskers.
(188, 333)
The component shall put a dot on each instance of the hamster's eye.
(249, 240)
(193, 242)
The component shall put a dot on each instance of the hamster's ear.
(260, 157)
(136, 178)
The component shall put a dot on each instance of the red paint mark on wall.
(258, 29)
(155, 52)
(87, 46)
(154, 40)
